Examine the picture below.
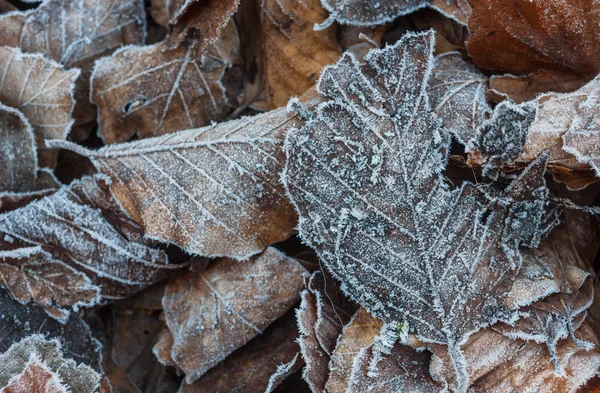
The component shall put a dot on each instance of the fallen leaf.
(235, 302)
(18, 158)
(166, 12)
(365, 174)
(293, 53)
(457, 90)
(75, 34)
(527, 87)
(529, 37)
(42, 90)
(369, 13)
(63, 252)
(163, 347)
(35, 364)
(357, 336)
(213, 191)
(251, 368)
(12, 201)
(321, 317)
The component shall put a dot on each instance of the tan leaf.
(163, 347)
(321, 318)
(38, 363)
(293, 53)
(18, 158)
(250, 368)
(43, 91)
(213, 191)
(234, 302)
(62, 250)
(458, 96)
(357, 335)
(75, 33)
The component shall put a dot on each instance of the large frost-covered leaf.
(18, 158)
(212, 313)
(42, 90)
(293, 53)
(213, 191)
(75, 33)
(365, 175)
(369, 13)
(63, 252)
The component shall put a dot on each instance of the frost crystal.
(404, 245)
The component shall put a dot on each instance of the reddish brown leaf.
(233, 302)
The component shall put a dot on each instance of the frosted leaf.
(158, 89)
(258, 366)
(167, 12)
(14, 200)
(553, 319)
(403, 369)
(321, 316)
(18, 158)
(293, 53)
(62, 251)
(365, 175)
(213, 191)
(235, 302)
(357, 335)
(503, 136)
(75, 33)
(369, 13)
(42, 90)
(457, 91)
(162, 348)
(37, 363)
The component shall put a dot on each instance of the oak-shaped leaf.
(321, 316)
(369, 13)
(43, 91)
(552, 42)
(365, 174)
(75, 33)
(213, 191)
(293, 53)
(18, 158)
(158, 89)
(259, 366)
(36, 364)
(63, 252)
(212, 313)
(457, 90)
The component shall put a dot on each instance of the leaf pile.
(299, 195)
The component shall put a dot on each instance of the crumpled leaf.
(357, 336)
(457, 90)
(43, 91)
(293, 52)
(62, 251)
(213, 191)
(365, 175)
(369, 13)
(551, 38)
(166, 12)
(268, 357)
(321, 316)
(75, 33)
(233, 302)
(161, 88)
(36, 364)
(18, 158)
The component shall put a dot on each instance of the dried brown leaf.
(213, 191)
(43, 91)
(63, 252)
(233, 302)
(75, 33)
(293, 53)
(357, 335)
(268, 357)
(18, 158)
(557, 36)
(36, 377)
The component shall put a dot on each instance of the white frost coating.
(282, 371)
(407, 247)
(76, 378)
